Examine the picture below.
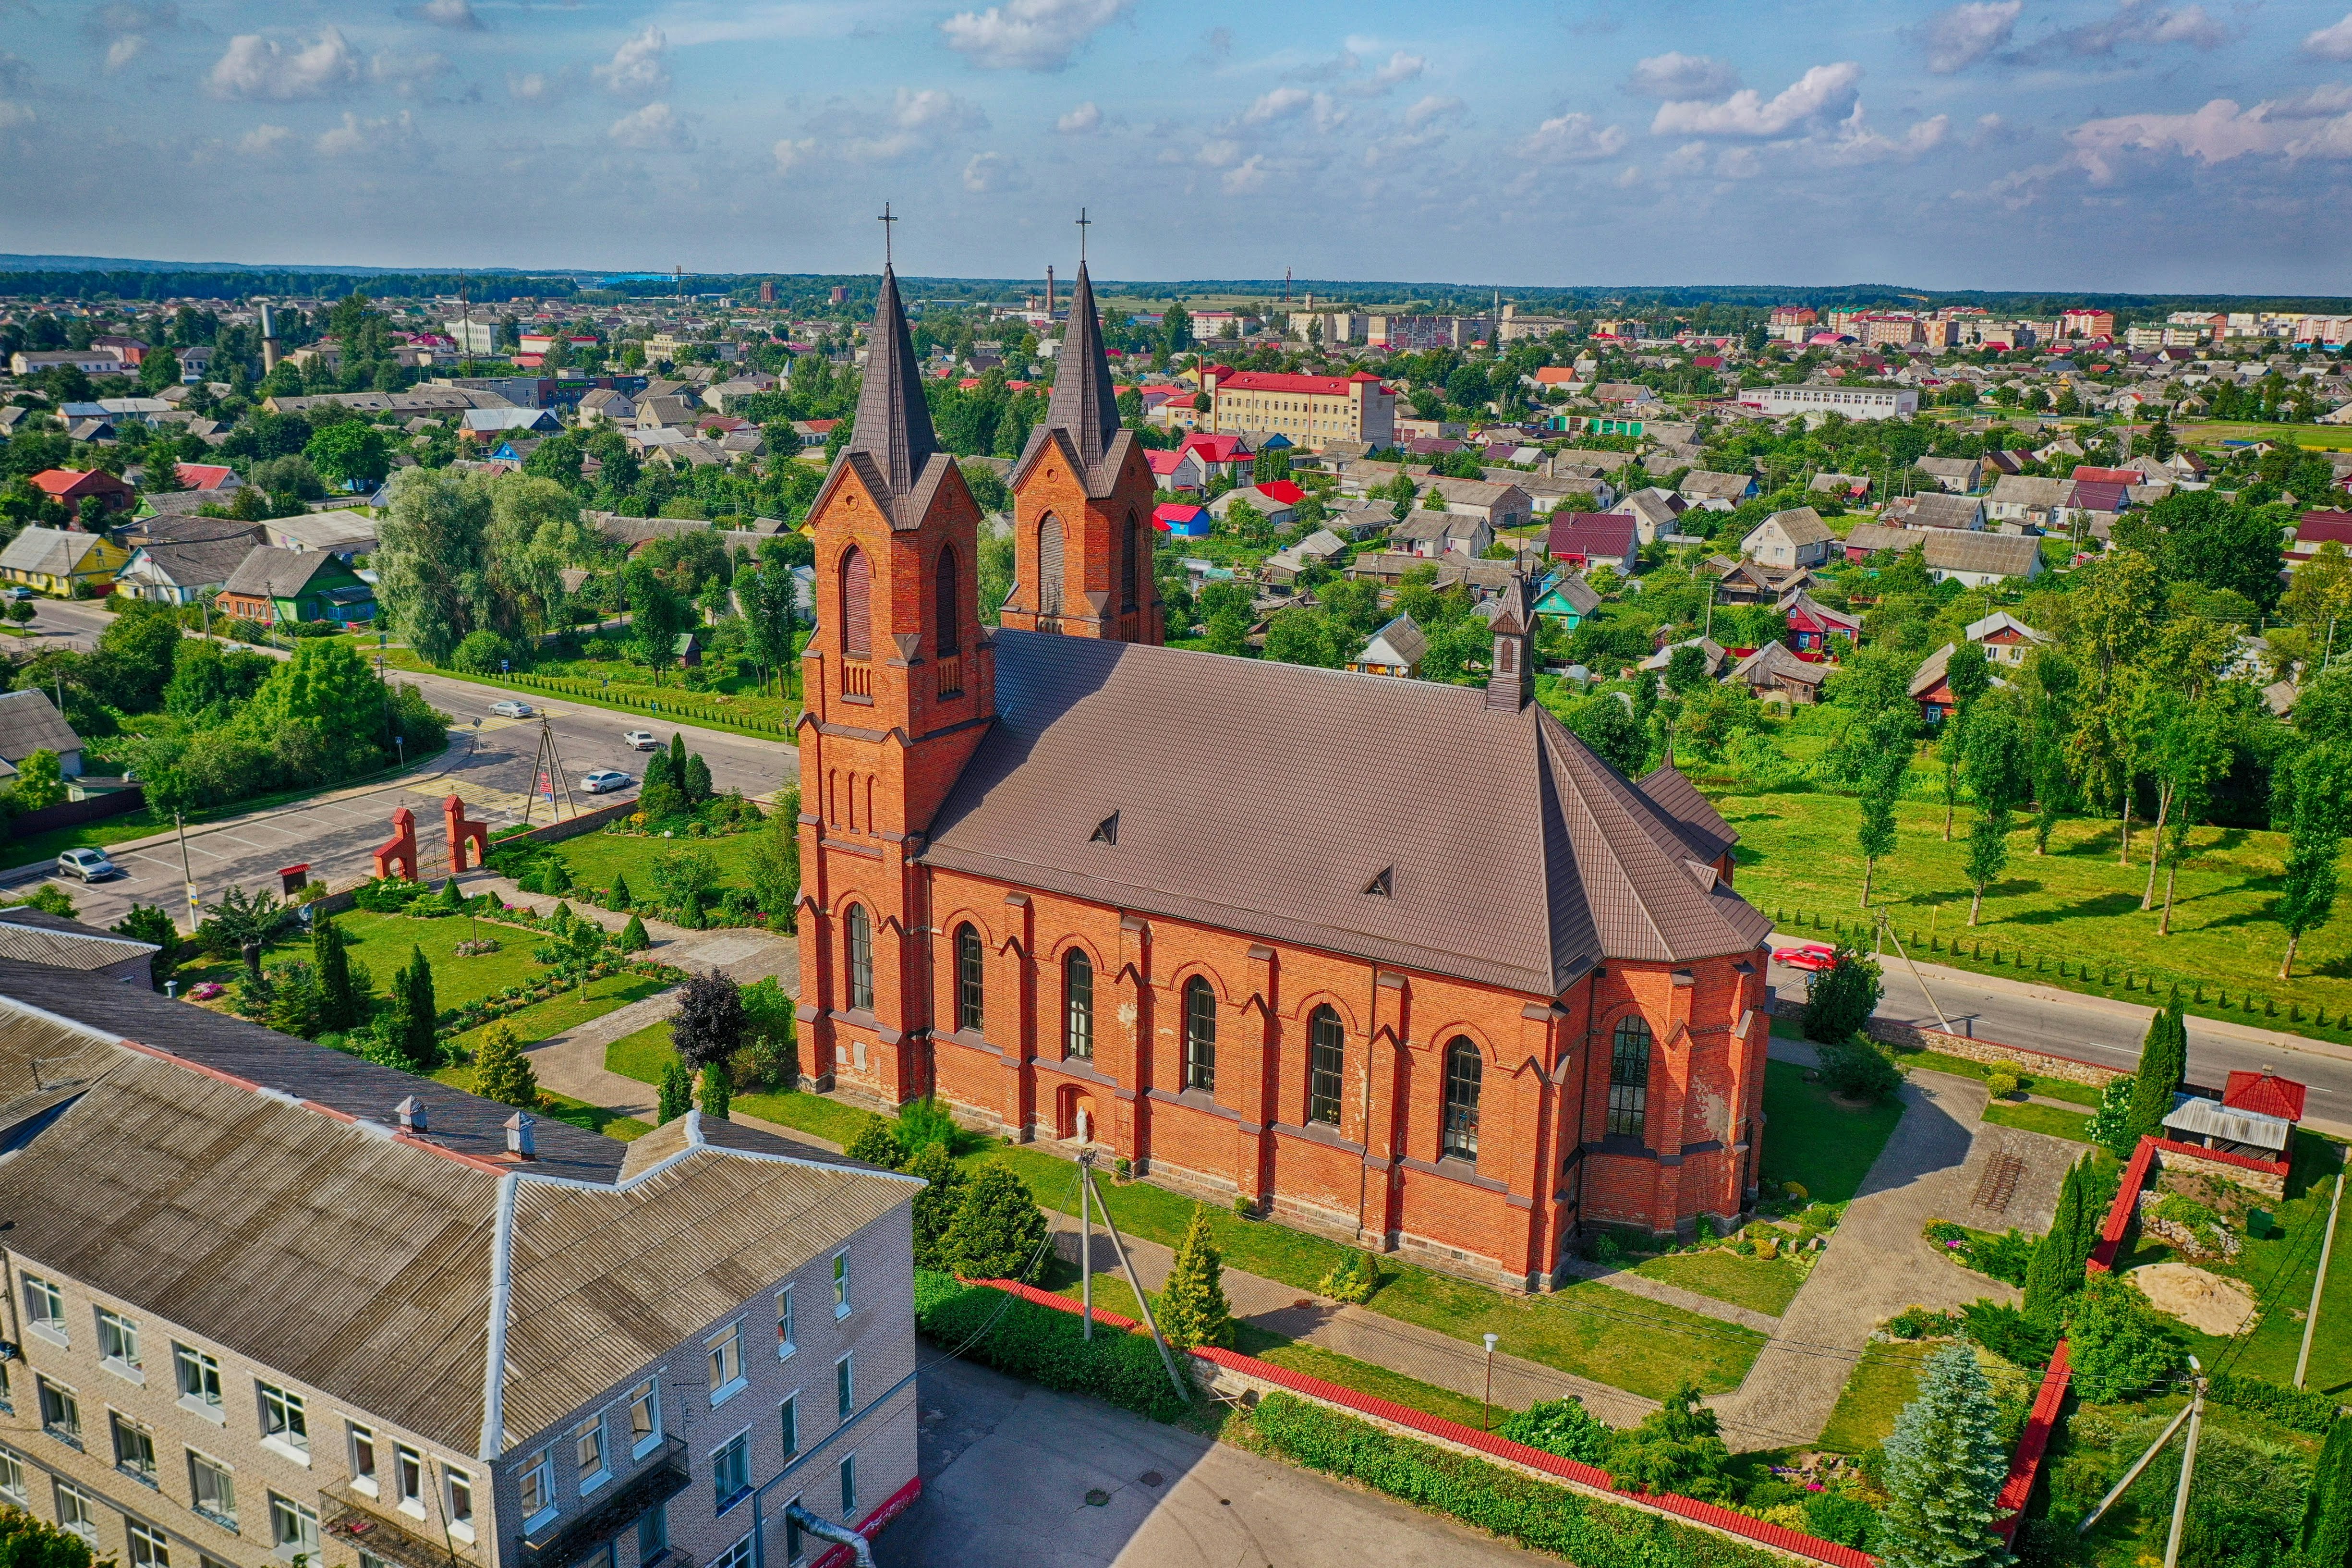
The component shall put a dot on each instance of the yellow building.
(1309, 410)
(55, 559)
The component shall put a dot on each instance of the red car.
(1806, 955)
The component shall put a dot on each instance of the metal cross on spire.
(1083, 224)
(885, 220)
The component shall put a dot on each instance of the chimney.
(1049, 293)
(520, 1143)
(411, 1113)
(268, 340)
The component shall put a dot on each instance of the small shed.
(688, 651)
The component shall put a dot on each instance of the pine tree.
(696, 780)
(2163, 1063)
(632, 936)
(677, 760)
(718, 1090)
(677, 1091)
(935, 1205)
(414, 1036)
(997, 1232)
(1192, 1310)
(619, 897)
(451, 901)
(1944, 1466)
(2327, 1516)
(502, 1072)
(330, 960)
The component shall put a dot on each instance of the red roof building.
(1307, 410)
(2266, 1094)
(1812, 624)
(2109, 476)
(1289, 492)
(207, 476)
(1594, 538)
(68, 487)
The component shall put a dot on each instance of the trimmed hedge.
(1044, 1346)
(2298, 1409)
(1547, 1518)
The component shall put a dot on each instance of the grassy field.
(1961, 1067)
(568, 1010)
(643, 1054)
(2031, 1118)
(1588, 1329)
(1881, 1383)
(1761, 1284)
(1815, 1142)
(728, 703)
(594, 858)
(1798, 859)
(2214, 432)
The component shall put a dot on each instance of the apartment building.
(1853, 402)
(1309, 410)
(268, 1303)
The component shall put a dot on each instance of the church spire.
(1084, 404)
(893, 423)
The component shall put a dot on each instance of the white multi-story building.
(1852, 402)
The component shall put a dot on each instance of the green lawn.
(1761, 1284)
(728, 703)
(1812, 1140)
(563, 1108)
(2280, 1268)
(568, 1010)
(2031, 1118)
(1797, 857)
(2081, 1094)
(382, 943)
(594, 858)
(1881, 1383)
(643, 1054)
(1588, 1328)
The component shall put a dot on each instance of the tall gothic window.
(861, 959)
(972, 988)
(1629, 1078)
(1050, 566)
(951, 640)
(856, 605)
(1130, 544)
(1462, 1073)
(1078, 1003)
(1326, 1053)
(1200, 1034)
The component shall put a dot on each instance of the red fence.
(1777, 1537)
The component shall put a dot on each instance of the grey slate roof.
(270, 572)
(1164, 736)
(197, 563)
(30, 722)
(54, 551)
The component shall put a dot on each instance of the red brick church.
(1399, 962)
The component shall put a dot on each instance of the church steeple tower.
(1082, 535)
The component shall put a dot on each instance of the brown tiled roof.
(1084, 413)
(892, 443)
(1566, 862)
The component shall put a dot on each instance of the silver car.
(90, 865)
(511, 708)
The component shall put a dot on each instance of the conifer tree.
(1192, 1310)
(1944, 1466)
(619, 898)
(2327, 1515)
(451, 901)
(718, 1090)
(677, 762)
(677, 1091)
(2056, 1270)
(416, 1036)
(997, 1232)
(696, 780)
(2163, 1063)
(330, 960)
(632, 936)
(502, 1072)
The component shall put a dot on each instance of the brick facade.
(1103, 592)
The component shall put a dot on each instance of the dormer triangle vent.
(1106, 831)
(1704, 874)
(1382, 885)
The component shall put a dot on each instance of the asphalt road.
(1007, 1468)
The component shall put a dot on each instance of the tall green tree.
(677, 1092)
(2328, 1513)
(657, 613)
(718, 1091)
(1944, 1471)
(2315, 840)
(935, 1206)
(330, 960)
(771, 599)
(431, 559)
(2056, 1270)
(2114, 607)
(1882, 784)
(1192, 1310)
(501, 1071)
(349, 453)
(997, 1232)
(2163, 1064)
(1967, 677)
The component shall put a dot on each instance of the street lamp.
(1486, 1418)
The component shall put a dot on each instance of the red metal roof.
(1287, 491)
(1590, 533)
(73, 483)
(2266, 1094)
(205, 476)
(2109, 476)
(1270, 381)
(1216, 448)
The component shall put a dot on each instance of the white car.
(511, 708)
(605, 779)
(641, 740)
(90, 865)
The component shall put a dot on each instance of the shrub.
(718, 1090)
(1917, 1322)
(2122, 1344)
(50, 899)
(1045, 1345)
(618, 899)
(2298, 1409)
(632, 936)
(923, 1122)
(1858, 1070)
(676, 1093)
(1840, 998)
(1352, 1279)
(502, 1072)
(1677, 1447)
(2110, 1126)
(26, 1543)
(936, 1205)
(2008, 1334)
(1562, 1427)
(878, 1143)
(1842, 1516)
(998, 1232)
(1192, 1310)
(2002, 1084)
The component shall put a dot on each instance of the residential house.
(30, 722)
(1973, 560)
(2005, 639)
(2314, 528)
(1777, 674)
(1742, 581)
(1547, 493)
(345, 532)
(1813, 624)
(182, 574)
(1866, 539)
(1320, 548)
(1182, 471)
(1181, 520)
(1568, 598)
(1504, 506)
(1934, 509)
(1702, 485)
(1931, 685)
(272, 586)
(1397, 649)
(1957, 475)
(665, 413)
(1429, 534)
(1854, 487)
(475, 1338)
(1716, 656)
(1625, 394)
(1653, 512)
(1588, 539)
(1221, 456)
(488, 424)
(1793, 538)
(61, 560)
(1272, 506)
(605, 406)
(2044, 503)
(70, 486)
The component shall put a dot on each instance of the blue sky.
(2129, 144)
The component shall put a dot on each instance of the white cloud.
(1219, 154)
(1432, 108)
(1675, 76)
(638, 69)
(2141, 22)
(14, 115)
(914, 123)
(1084, 121)
(1402, 67)
(528, 86)
(124, 49)
(989, 173)
(357, 135)
(1959, 37)
(1819, 92)
(451, 14)
(1856, 142)
(265, 139)
(1279, 104)
(255, 66)
(1574, 137)
(1245, 178)
(2317, 125)
(2333, 42)
(1627, 177)
(791, 154)
(407, 74)
(655, 126)
(1030, 35)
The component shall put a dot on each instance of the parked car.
(15, 592)
(510, 708)
(90, 865)
(605, 779)
(641, 740)
(1806, 955)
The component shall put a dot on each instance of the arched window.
(1077, 1004)
(1326, 1053)
(856, 605)
(950, 635)
(1049, 566)
(1130, 546)
(1462, 1067)
(971, 985)
(861, 959)
(1629, 1078)
(1200, 1034)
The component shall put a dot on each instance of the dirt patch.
(2204, 1300)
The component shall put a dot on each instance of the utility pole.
(189, 874)
(1127, 1266)
(2311, 1318)
(1085, 1250)
(2187, 1466)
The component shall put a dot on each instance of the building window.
(408, 1476)
(293, 1529)
(844, 1386)
(951, 640)
(134, 1448)
(363, 1468)
(731, 1471)
(45, 1309)
(971, 978)
(200, 1381)
(536, 1486)
(148, 1548)
(117, 1342)
(653, 1535)
(789, 1418)
(1200, 1036)
(61, 1411)
(1326, 1053)
(1463, 1067)
(856, 605)
(644, 1418)
(784, 1343)
(793, 1543)
(11, 1478)
(726, 1348)
(848, 1487)
(736, 1556)
(1050, 567)
(861, 959)
(1077, 1004)
(457, 1501)
(841, 1284)
(78, 1511)
(1629, 1078)
(283, 1422)
(588, 1451)
(1130, 545)
(213, 1490)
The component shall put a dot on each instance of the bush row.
(1538, 1514)
(2298, 1408)
(1044, 1345)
